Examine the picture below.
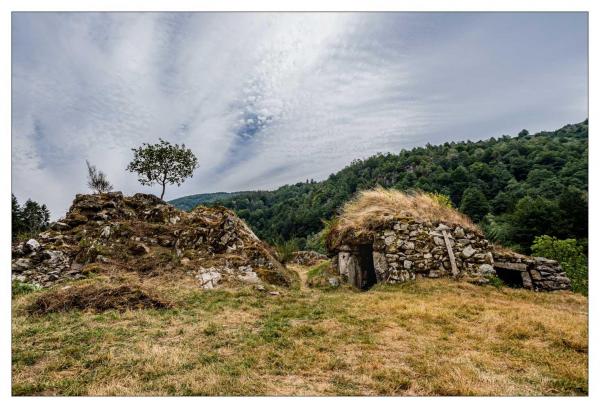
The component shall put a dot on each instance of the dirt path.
(302, 272)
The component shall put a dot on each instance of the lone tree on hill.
(162, 163)
(97, 180)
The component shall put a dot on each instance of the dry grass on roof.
(370, 207)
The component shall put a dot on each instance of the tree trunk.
(163, 192)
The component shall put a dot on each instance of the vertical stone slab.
(527, 283)
(354, 271)
(343, 260)
(381, 266)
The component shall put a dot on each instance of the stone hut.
(389, 236)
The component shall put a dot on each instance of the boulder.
(32, 245)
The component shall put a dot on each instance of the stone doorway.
(511, 278)
(368, 278)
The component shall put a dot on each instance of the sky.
(266, 99)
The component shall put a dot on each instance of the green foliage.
(29, 219)
(285, 250)
(319, 275)
(549, 166)
(316, 242)
(570, 254)
(535, 216)
(21, 288)
(495, 281)
(442, 199)
(474, 203)
(188, 203)
(163, 163)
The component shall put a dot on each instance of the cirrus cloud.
(271, 98)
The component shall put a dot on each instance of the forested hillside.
(517, 188)
(188, 202)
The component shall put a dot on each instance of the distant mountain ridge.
(187, 203)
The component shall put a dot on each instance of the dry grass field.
(428, 337)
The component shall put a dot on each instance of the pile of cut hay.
(97, 298)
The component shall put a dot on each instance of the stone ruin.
(307, 258)
(402, 250)
(399, 250)
(534, 273)
(392, 246)
(145, 235)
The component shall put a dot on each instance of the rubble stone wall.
(403, 250)
(146, 235)
(537, 273)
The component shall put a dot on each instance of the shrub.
(21, 288)
(285, 250)
(570, 254)
(441, 199)
(316, 242)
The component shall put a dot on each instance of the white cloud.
(265, 99)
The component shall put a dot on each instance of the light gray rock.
(32, 245)
(248, 275)
(459, 232)
(343, 263)
(514, 266)
(468, 251)
(105, 232)
(408, 245)
(380, 263)
(209, 277)
(486, 269)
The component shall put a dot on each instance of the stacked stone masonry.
(403, 250)
(540, 274)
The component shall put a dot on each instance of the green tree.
(31, 218)
(163, 163)
(571, 256)
(534, 217)
(474, 203)
(17, 216)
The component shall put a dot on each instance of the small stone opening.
(510, 277)
(367, 267)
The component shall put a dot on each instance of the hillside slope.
(516, 187)
(187, 203)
